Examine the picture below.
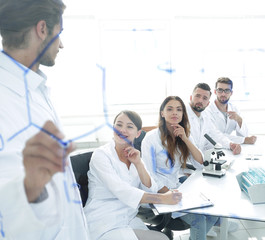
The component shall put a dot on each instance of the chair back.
(80, 165)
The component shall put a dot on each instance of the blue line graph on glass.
(2, 233)
(66, 143)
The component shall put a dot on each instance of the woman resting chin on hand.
(172, 146)
(118, 183)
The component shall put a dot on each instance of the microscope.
(212, 162)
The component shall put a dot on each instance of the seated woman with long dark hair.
(164, 151)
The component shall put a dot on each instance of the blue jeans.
(182, 179)
(199, 225)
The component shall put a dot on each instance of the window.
(150, 53)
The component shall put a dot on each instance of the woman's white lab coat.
(114, 195)
(155, 155)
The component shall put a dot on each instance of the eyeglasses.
(220, 90)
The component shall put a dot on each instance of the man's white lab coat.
(205, 125)
(59, 216)
(228, 126)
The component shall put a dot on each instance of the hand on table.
(250, 140)
(235, 148)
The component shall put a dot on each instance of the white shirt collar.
(18, 75)
(193, 114)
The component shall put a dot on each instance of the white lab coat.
(56, 217)
(205, 125)
(155, 155)
(229, 127)
(114, 195)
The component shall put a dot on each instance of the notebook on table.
(191, 200)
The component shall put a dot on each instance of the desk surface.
(225, 193)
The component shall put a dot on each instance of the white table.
(229, 201)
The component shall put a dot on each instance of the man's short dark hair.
(203, 86)
(225, 80)
(17, 17)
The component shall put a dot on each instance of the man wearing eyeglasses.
(226, 115)
(202, 122)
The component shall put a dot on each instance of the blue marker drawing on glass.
(64, 144)
(30, 122)
(166, 68)
(153, 154)
(107, 123)
(76, 185)
(1, 143)
(2, 233)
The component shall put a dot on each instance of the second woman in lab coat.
(118, 183)
(165, 150)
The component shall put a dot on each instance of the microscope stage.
(213, 173)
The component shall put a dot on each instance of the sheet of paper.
(189, 200)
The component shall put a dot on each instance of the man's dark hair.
(225, 80)
(203, 86)
(17, 17)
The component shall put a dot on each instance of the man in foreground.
(37, 197)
